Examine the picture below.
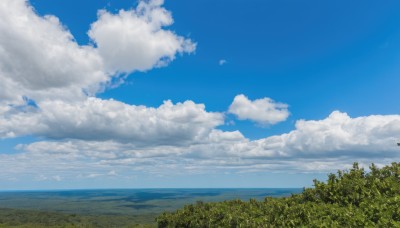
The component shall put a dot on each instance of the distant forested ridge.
(17, 218)
(353, 198)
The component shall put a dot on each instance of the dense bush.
(351, 198)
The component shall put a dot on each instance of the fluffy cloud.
(96, 119)
(48, 80)
(134, 40)
(340, 135)
(40, 59)
(336, 136)
(263, 111)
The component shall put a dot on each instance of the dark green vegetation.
(110, 208)
(351, 198)
(17, 218)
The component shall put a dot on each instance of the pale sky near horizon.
(195, 94)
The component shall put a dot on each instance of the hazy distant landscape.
(128, 206)
(349, 198)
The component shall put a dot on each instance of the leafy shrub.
(352, 198)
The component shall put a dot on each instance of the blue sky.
(277, 92)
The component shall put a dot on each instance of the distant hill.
(353, 198)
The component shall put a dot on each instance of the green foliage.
(16, 218)
(30, 218)
(352, 198)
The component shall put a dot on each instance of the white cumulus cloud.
(263, 111)
(97, 119)
(48, 80)
(338, 135)
(135, 39)
(40, 59)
